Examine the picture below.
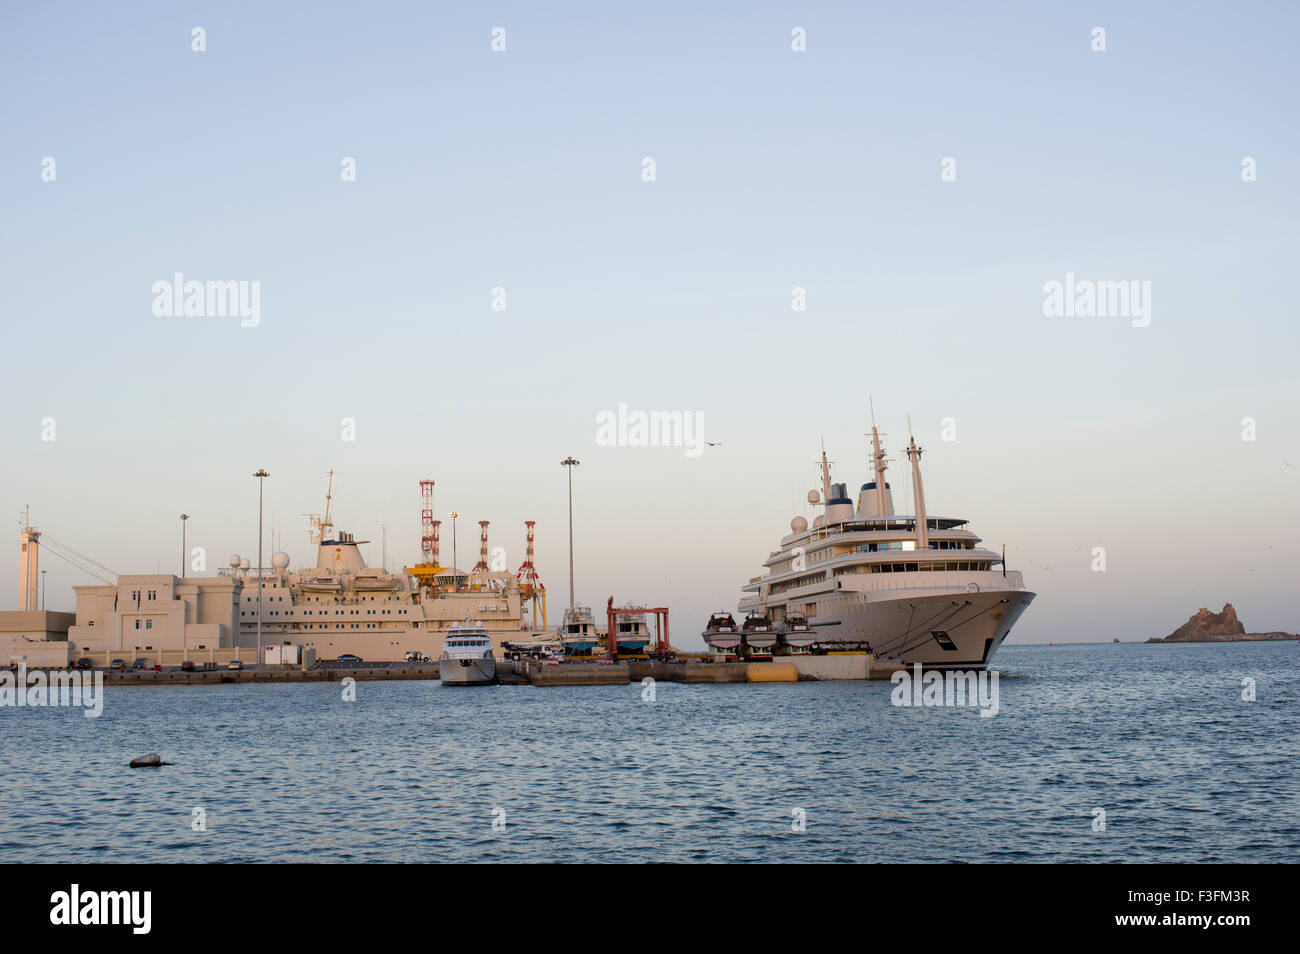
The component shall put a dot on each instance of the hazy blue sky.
(775, 169)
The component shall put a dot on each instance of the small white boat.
(796, 633)
(466, 658)
(721, 632)
(758, 637)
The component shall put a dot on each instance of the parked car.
(85, 663)
(416, 656)
(350, 658)
(187, 666)
(234, 664)
(118, 664)
(140, 663)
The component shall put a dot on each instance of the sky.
(921, 171)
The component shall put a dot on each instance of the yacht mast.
(878, 462)
(826, 477)
(914, 455)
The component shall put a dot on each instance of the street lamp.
(184, 517)
(261, 476)
(454, 564)
(570, 463)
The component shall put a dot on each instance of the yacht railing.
(981, 581)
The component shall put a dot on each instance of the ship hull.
(947, 630)
(467, 672)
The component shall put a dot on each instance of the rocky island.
(1223, 627)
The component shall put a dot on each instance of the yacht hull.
(467, 672)
(946, 630)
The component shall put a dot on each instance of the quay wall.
(285, 674)
(847, 666)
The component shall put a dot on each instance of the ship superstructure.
(907, 587)
(342, 605)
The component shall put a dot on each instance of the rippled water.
(1157, 736)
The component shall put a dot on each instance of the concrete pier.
(781, 669)
(532, 672)
(580, 674)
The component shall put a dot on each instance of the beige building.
(156, 612)
(35, 637)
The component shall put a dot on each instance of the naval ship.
(910, 588)
(340, 605)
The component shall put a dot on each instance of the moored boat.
(909, 588)
(466, 658)
(578, 631)
(721, 632)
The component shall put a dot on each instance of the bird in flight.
(713, 444)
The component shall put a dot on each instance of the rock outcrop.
(1222, 627)
(1205, 624)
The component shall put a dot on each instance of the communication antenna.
(826, 474)
(320, 526)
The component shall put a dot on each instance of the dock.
(838, 666)
(780, 669)
(150, 677)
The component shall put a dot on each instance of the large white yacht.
(466, 658)
(910, 588)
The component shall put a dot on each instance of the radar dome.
(814, 497)
(234, 560)
(279, 559)
(798, 524)
(819, 523)
(244, 564)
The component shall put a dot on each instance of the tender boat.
(721, 633)
(758, 636)
(797, 634)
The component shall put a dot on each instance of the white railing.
(954, 582)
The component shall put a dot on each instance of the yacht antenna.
(878, 461)
(826, 475)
